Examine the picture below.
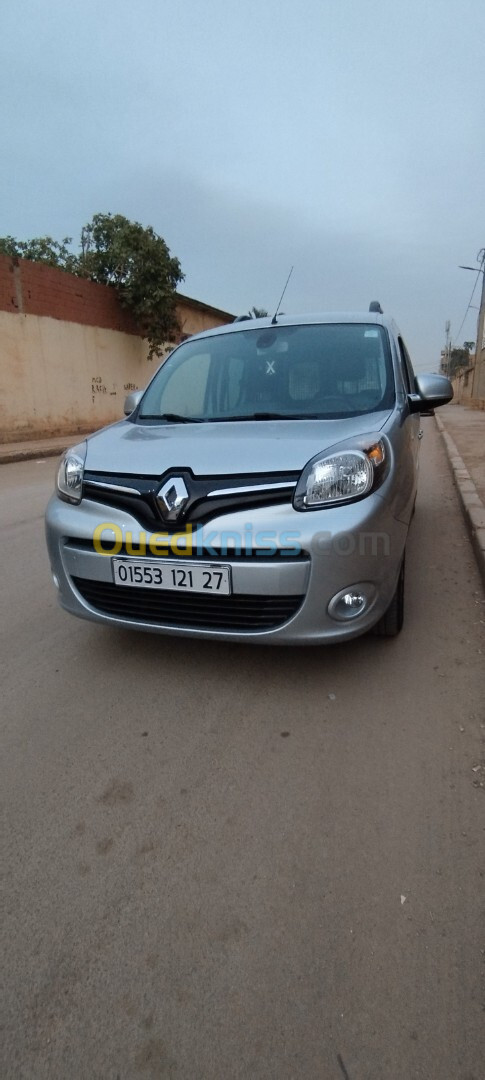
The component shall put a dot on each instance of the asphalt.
(235, 863)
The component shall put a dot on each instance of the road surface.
(236, 863)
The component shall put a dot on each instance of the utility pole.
(481, 314)
(447, 360)
(480, 342)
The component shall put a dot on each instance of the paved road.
(227, 862)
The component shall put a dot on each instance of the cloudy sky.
(342, 137)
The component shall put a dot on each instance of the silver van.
(260, 489)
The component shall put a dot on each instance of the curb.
(7, 457)
(40, 448)
(471, 503)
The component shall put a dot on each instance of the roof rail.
(375, 306)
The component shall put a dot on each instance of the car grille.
(209, 497)
(191, 610)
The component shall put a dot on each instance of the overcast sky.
(344, 137)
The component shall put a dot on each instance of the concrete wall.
(462, 386)
(194, 316)
(478, 392)
(59, 378)
(478, 389)
(69, 353)
(469, 385)
(479, 382)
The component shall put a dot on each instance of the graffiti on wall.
(99, 387)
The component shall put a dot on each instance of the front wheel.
(390, 624)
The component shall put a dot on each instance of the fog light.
(351, 602)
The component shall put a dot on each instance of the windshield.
(324, 371)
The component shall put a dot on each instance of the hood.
(220, 449)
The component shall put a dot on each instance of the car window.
(406, 367)
(409, 367)
(184, 390)
(321, 370)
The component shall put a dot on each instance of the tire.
(390, 624)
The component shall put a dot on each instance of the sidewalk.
(463, 432)
(37, 448)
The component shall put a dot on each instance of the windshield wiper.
(174, 418)
(266, 416)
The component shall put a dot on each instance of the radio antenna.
(273, 320)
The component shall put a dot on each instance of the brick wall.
(29, 288)
(7, 285)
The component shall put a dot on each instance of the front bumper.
(358, 545)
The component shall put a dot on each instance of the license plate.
(191, 577)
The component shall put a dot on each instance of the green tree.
(257, 313)
(137, 262)
(123, 254)
(42, 249)
(459, 358)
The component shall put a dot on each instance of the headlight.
(338, 477)
(70, 474)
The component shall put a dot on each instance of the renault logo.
(172, 498)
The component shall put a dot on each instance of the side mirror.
(132, 401)
(431, 392)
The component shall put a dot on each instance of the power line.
(469, 305)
